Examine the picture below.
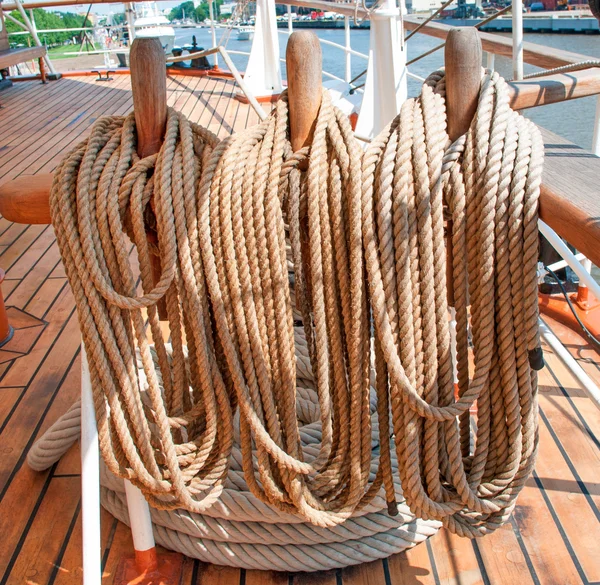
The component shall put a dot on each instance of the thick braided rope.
(241, 232)
(490, 179)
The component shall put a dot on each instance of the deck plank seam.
(59, 294)
(581, 418)
(480, 562)
(7, 298)
(434, 569)
(65, 544)
(25, 250)
(100, 100)
(102, 106)
(561, 530)
(580, 483)
(36, 430)
(523, 547)
(22, 538)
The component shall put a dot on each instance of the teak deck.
(552, 539)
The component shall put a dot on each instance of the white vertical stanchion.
(33, 31)
(139, 518)
(348, 75)
(90, 481)
(517, 38)
(571, 363)
(596, 136)
(490, 61)
(130, 21)
(263, 73)
(385, 85)
(290, 22)
(211, 13)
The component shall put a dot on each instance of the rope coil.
(314, 294)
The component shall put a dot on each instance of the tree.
(178, 12)
(47, 21)
(201, 13)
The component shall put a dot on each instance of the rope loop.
(306, 298)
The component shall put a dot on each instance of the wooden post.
(304, 63)
(149, 89)
(463, 81)
(463, 78)
(42, 69)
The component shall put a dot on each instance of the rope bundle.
(322, 290)
(490, 178)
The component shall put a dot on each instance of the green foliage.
(48, 20)
(118, 18)
(198, 14)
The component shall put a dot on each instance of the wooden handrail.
(552, 89)
(544, 57)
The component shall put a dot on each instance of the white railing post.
(213, 32)
(571, 363)
(139, 520)
(490, 60)
(385, 85)
(33, 32)
(90, 481)
(348, 47)
(290, 22)
(596, 137)
(263, 72)
(130, 21)
(517, 38)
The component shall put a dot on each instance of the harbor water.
(573, 120)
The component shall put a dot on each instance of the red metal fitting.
(148, 567)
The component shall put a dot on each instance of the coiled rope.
(322, 290)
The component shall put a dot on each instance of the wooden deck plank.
(321, 578)
(30, 282)
(503, 559)
(44, 541)
(8, 400)
(572, 507)
(64, 126)
(214, 575)
(411, 566)
(365, 574)
(549, 556)
(60, 311)
(455, 559)
(56, 104)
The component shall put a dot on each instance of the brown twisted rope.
(490, 178)
(249, 244)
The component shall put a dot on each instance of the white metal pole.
(517, 38)
(571, 363)
(490, 60)
(596, 137)
(130, 21)
(289, 15)
(585, 277)
(90, 480)
(263, 72)
(385, 85)
(34, 34)
(213, 32)
(139, 518)
(348, 47)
